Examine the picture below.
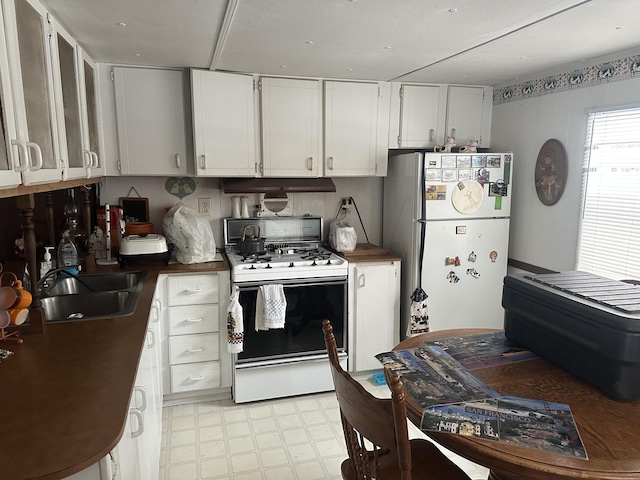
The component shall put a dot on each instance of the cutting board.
(365, 249)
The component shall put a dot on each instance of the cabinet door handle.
(138, 414)
(151, 338)
(361, 280)
(204, 161)
(86, 158)
(36, 148)
(193, 320)
(195, 350)
(143, 396)
(330, 163)
(94, 162)
(22, 153)
(195, 379)
(432, 135)
(310, 163)
(178, 162)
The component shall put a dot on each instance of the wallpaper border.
(614, 70)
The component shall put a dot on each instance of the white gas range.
(291, 360)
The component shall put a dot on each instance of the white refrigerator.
(447, 216)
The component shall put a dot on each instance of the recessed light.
(620, 27)
(452, 10)
(136, 54)
(387, 47)
(309, 42)
(283, 66)
(121, 24)
(349, 69)
(523, 58)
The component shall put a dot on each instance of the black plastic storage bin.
(586, 324)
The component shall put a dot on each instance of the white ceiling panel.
(435, 41)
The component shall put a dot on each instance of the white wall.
(366, 192)
(541, 235)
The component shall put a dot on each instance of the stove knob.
(314, 264)
(268, 265)
(252, 267)
(290, 264)
(329, 262)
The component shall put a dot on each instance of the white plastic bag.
(190, 234)
(342, 237)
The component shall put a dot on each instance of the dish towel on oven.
(235, 323)
(271, 307)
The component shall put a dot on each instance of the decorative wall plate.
(551, 172)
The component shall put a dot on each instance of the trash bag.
(342, 237)
(190, 234)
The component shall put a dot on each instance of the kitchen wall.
(530, 112)
(366, 192)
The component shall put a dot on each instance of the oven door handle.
(251, 286)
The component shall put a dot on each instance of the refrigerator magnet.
(465, 174)
(498, 189)
(472, 257)
(478, 161)
(483, 175)
(433, 162)
(449, 175)
(493, 161)
(436, 192)
(449, 161)
(493, 255)
(467, 196)
(433, 175)
(473, 272)
(452, 277)
(463, 161)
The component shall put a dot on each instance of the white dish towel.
(271, 307)
(235, 326)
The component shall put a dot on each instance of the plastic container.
(47, 263)
(586, 324)
(68, 253)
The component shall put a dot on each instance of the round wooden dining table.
(610, 430)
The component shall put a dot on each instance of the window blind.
(609, 233)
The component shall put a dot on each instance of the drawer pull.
(195, 350)
(193, 320)
(195, 379)
(193, 290)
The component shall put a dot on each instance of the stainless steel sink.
(66, 285)
(89, 297)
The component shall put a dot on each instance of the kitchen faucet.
(42, 283)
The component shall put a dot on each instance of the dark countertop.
(65, 394)
(368, 252)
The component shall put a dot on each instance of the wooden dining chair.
(375, 431)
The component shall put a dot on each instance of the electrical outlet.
(204, 206)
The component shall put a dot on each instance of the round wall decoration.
(551, 172)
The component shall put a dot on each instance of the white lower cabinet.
(195, 317)
(374, 312)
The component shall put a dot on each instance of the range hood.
(269, 185)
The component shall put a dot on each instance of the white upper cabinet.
(30, 68)
(356, 128)
(11, 160)
(90, 121)
(291, 127)
(423, 116)
(420, 116)
(469, 114)
(70, 108)
(223, 124)
(150, 121)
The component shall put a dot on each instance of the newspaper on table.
(455, 401)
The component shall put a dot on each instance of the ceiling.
(484, 42)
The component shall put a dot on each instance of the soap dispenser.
(47, 263)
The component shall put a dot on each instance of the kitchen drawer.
(190, 319)
(202, 347)
(195, 376)
(192, 289)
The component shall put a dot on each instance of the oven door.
(309, 302)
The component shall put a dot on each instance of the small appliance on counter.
(144, 245)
